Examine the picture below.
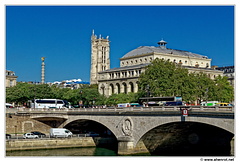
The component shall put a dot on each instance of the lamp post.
(148, 93)
(148, 90)
(80, 102)
(206, 96)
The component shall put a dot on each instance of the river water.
(89, 151)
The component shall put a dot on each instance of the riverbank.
(79, 142)
(34, 144)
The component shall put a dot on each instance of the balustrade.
(119, 109)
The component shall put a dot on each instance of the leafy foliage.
(165, 78)
(23, 92)
(115, 99)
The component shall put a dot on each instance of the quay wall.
(32, 144)
(36, 144)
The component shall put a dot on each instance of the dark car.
(92, 134)
(8, 136)
(39, 134)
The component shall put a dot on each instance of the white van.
(60, 132)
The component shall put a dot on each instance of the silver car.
(30, 135)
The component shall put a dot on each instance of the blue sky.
(62, 35)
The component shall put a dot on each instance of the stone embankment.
(32, 144)
(35, 144)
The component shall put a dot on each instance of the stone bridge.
(129, 125)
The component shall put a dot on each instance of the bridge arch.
(100, 120)
(225, 124)
(187, 138)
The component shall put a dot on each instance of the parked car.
(30, 135)
(92, 134)
(8, 136)
(8, 105)
(224, 104)
(39, 134)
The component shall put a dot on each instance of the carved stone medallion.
(127, 127)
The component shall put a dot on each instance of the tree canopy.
(23, 92)
(165, 78)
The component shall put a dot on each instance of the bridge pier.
(125, 145)
(232, 147)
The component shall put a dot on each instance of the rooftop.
(150, 49)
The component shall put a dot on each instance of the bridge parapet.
(125, 109)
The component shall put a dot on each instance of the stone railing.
(125, 109)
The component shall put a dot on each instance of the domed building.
(125, 78)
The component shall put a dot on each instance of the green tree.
(164, 78)
(115, 99)
(19, 94)
(224, 92)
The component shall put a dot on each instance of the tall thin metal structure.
(43, 71)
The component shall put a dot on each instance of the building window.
(131, 87)
(118, 88)
(11, 83)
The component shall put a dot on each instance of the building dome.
(152, 49)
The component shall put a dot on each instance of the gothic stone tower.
(99, 56)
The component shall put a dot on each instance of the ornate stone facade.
(11, 78)
(228, 71)
(125, 78)
(100, 61)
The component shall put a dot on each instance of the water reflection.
(90, 151)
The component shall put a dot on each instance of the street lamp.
(81, 101)
(148, 93)
(148, 90)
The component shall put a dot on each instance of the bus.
(159, 101)
(48, 103)
(209, 103)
